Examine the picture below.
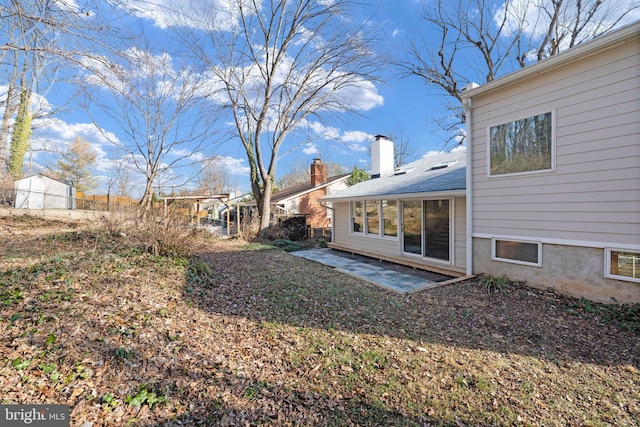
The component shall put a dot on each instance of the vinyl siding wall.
(389, 248)
(593, 195)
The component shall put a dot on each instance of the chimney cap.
(317, 160)
(377, 137)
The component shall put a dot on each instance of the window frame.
(551, 111)
(607, 265)
(494, 257)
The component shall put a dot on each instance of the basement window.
(517, 252)
(622, 264)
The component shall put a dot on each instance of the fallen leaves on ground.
(260, 337)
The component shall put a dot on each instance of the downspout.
(468, 108)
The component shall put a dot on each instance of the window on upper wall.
(356, 217)
(372, 211)
(524, 145)
(390, 217)
(622, 265)
(517, 252)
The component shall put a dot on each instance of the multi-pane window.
(523, 145)
(375, 218)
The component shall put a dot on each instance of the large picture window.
(524, 145)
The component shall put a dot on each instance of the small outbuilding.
(42, 192)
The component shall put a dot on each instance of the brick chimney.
(318, 172)
(382, 161)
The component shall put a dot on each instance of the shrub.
(495, 284)
(169, 236)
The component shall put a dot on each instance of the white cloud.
(326, 132)
(220, 14)
(356, 136)
(357, 148)
(232, 165)
(311, 149)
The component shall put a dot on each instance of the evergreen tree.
(74, 164)
(357, 175)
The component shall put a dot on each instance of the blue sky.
(399, 106)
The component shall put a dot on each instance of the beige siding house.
(553, 189)
(413, 216)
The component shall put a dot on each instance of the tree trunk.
(265, 209)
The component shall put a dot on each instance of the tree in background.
(402, 151)
(214, 178)
(480, 40)
(74, 165)
(357, 175)
(281, 63)
(300, 173)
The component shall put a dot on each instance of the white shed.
(41, 192)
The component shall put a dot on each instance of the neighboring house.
(552, 192)
(414, 215)
(555, 184)
(304, 198)
(41, 192)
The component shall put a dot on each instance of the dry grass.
(244, 334)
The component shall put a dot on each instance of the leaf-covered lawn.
(244, 334)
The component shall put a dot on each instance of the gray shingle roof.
(419, 177)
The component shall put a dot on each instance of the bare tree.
(403, 153)
(280, 63)
(214, 178)
(300, 173)
(479, 42)
(158, 108)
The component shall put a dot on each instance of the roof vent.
(442, 165)
(439, 166)
(402, 171)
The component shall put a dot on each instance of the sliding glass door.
(426, 228)
(436, 229)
